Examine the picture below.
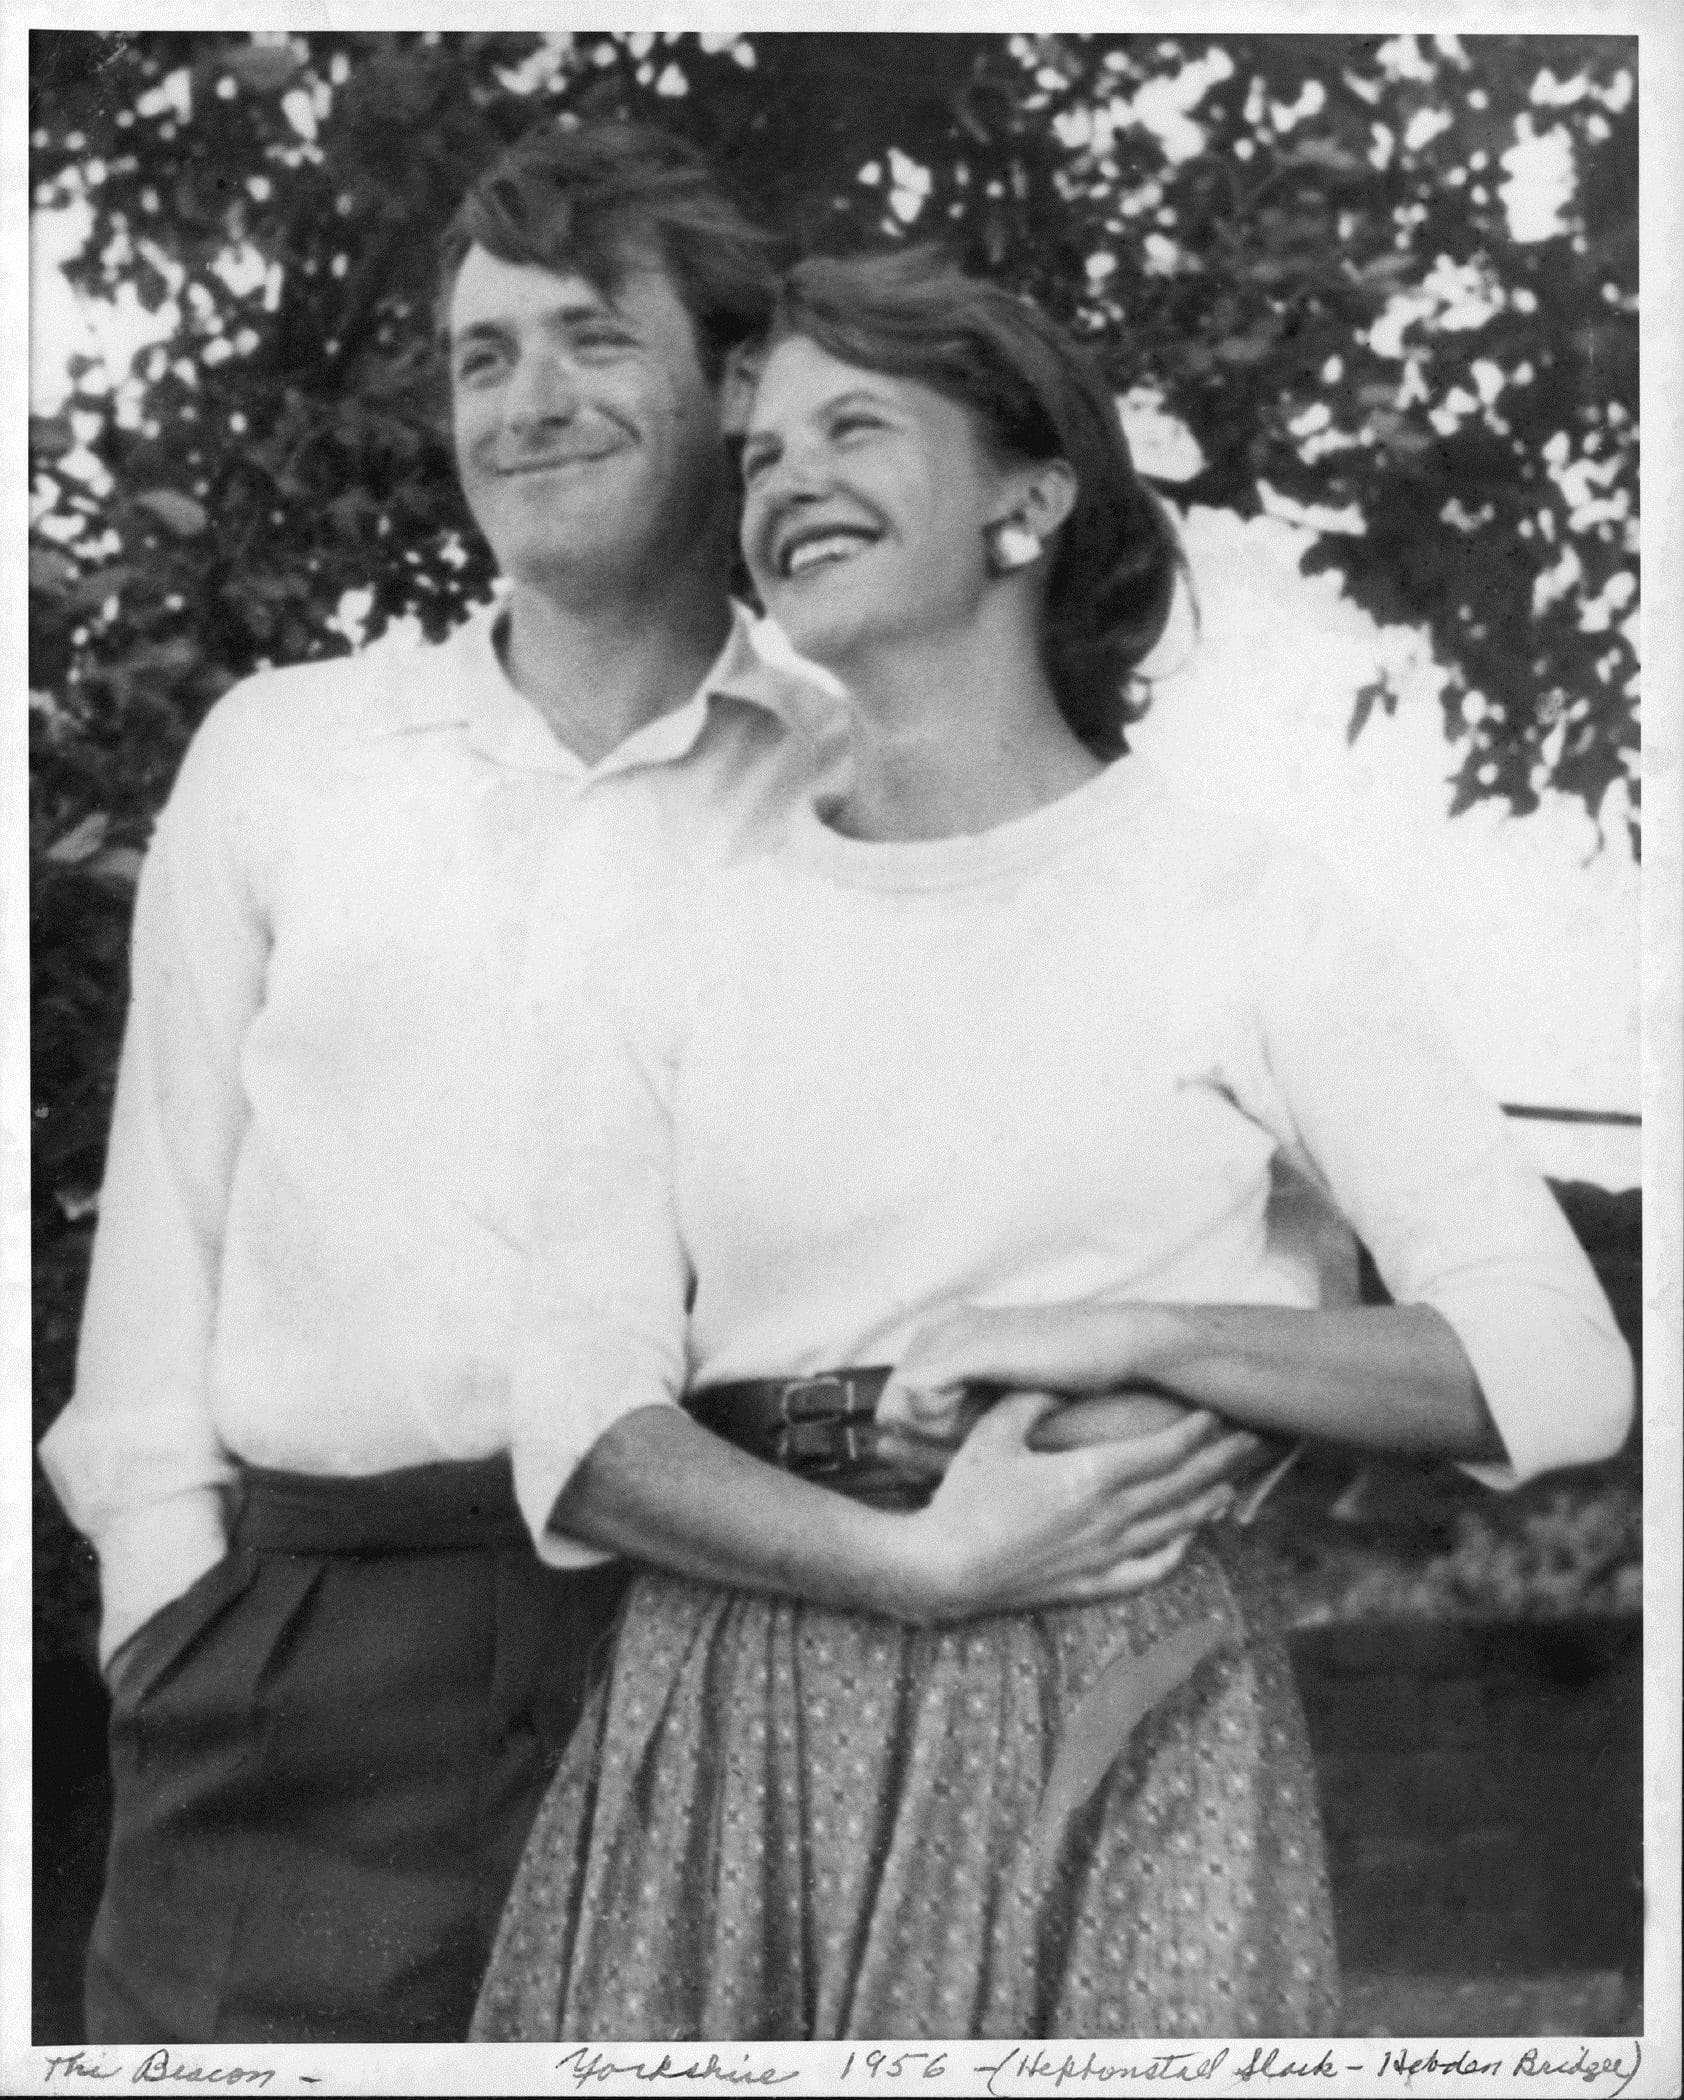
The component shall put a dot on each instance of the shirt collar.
(461, 683)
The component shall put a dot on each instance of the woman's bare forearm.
(660, 1488)
(1392, 1378)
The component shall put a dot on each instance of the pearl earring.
(1010, 545)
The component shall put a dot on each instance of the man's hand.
(150, 1556)
(1015, 1529)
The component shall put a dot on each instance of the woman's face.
(866, 498)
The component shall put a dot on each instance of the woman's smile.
(812, 546)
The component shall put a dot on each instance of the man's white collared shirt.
(303, 1259)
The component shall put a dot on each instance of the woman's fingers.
(1012, 1527)
(1149, 1534)
(1180, 1469)
(1228, 1459)
(1008, 1521)
(1134, 1572)
(1119, 1576)
(1111, 1524)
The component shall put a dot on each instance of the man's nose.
(543, 389)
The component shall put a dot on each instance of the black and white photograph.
(850, 1111)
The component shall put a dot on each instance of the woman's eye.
(475, 364)
(844, 426)
(755, 463)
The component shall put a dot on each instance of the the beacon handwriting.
(158, 2067)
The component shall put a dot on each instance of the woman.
(981, 1076)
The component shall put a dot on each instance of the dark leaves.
(1378, 692)
(184, 517)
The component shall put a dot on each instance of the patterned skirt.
(778, 1822)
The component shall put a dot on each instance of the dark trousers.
(326, 1757)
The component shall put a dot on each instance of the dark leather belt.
(824, 1428)
(821, 1428)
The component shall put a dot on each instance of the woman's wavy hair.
(913, 314)
(593, 198)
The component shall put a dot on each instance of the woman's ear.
(1048, 497)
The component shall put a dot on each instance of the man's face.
(587, 438)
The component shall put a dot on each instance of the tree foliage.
(1301, 244)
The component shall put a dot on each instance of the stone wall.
(1482, 1790)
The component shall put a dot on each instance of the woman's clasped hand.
(1014, 1526)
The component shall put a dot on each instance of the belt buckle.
(823, 1426)
(824, 1399)
(825, 1445)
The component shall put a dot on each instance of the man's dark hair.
(594, 199)
(912, 313)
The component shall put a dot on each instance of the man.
(340, 1674)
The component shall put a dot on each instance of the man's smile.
(555, 462)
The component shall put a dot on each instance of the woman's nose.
(799, 474)
(779, 493)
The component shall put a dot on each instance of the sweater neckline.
(1112, 797)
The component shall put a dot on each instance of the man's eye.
(600, 340)
(845, 426)
(756, 463)
(478, 363)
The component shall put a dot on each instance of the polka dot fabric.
(780, 1822)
